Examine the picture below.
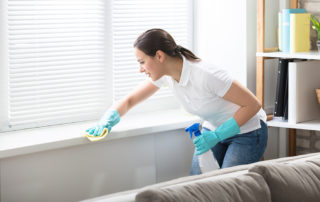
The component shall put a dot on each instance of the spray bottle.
(207, 161)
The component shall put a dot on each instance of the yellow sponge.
(97, 138)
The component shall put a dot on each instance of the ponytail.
(187, 53)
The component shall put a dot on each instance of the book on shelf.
(281, 99)
(286, 27)
(303, 78)
(299, 32)
(285, 101)
(280, 31)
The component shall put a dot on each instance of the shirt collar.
(185, 73)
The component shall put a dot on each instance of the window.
(66, 61)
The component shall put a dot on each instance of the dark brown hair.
(153, 40)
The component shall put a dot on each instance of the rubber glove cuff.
(227, 129)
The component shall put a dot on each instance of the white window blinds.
(130, 18)
(56, 65)
(65, 61)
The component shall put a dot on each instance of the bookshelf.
(263, 54)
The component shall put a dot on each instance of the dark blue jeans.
(237, 150)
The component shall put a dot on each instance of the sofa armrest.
(293, 181)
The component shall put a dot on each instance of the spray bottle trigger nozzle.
(193, 129)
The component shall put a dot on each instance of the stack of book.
(294, 30)
(280, 111)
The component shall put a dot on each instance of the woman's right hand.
(110, 118)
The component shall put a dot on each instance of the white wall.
(220, 35)
(86, 171)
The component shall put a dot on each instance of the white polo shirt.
(200, 91)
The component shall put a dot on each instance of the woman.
(234, 127)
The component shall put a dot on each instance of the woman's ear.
(160, 56)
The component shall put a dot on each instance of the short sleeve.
(219, 81)
(160, 82)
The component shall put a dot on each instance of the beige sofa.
(289, 179)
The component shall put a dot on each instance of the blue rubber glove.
(209, 139)
(205, 141)
(108, 120)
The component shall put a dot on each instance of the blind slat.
(45, 64)
(54, 119)
(52, 113)
(27, 107)
(22, 92)
(24, 98)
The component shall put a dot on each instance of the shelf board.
(308, 125)
(312, 55)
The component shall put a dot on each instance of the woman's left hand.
(205, 141)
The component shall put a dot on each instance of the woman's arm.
(249, 104)
(142, 92)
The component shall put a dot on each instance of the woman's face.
(148, 65)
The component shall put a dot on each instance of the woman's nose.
(141, 69)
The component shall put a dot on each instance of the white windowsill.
(53, 137)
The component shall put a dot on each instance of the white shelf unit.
(308, 125)
(312, 55)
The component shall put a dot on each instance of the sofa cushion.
(298, 181)
(246, 187)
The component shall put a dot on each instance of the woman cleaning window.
(234, 127)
